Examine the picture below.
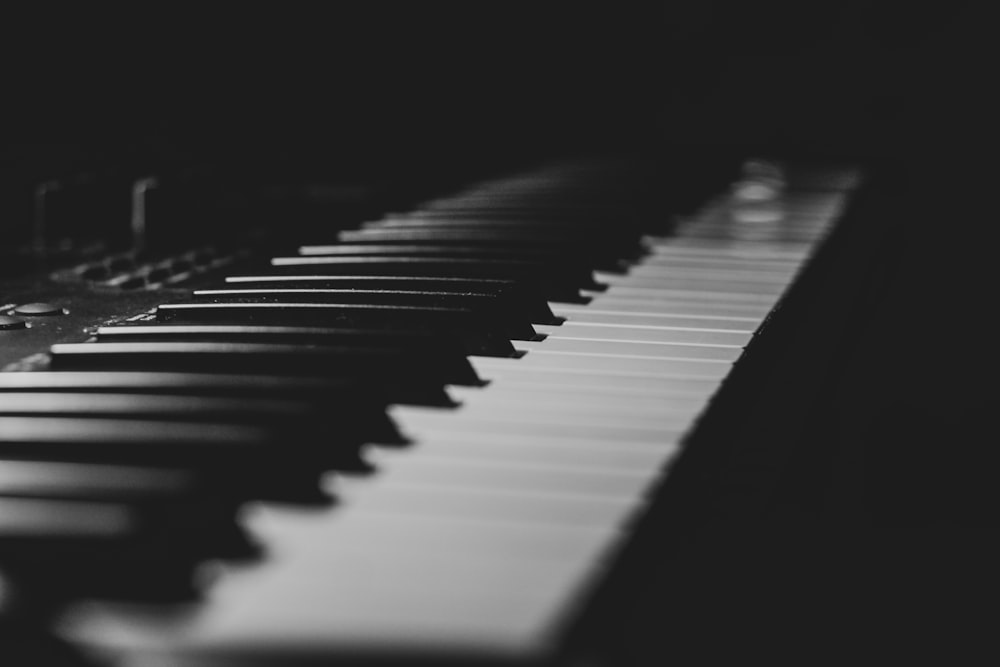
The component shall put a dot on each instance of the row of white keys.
(483, 535)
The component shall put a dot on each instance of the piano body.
(404, 343)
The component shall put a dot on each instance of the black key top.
(185, 495)
(157, 406)
(514, 232)
(603, 251)
(585, 221)
(526, 294)
(554, 282)
(243, 452)
(203, 488)
(226, 357)
(443, 352)
(618, 234)
(477, 335)
(572, 257)
(30, 520)
(493, 307)
(91, 481)
(364, 403)
(194, 384)
(403, 377)
(143, 441)
(66, 548)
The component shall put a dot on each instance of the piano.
(534, 394)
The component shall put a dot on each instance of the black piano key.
(280, 460)
(265, 460)
(190, 486)
(555, 284)
(606, 254)
(157, 406)
(478, 336)
(572, 257)
(515, 324)
(362, 403)
(63, 548)
(444, 353)
(402, 377)
(94, 481)
(526, 294)
(180, 494)
(194, 384)
(25, 520)
(133, 440)
(519, 234)
(499, 212)
(229, 357)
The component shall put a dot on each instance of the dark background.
(421, 82)
(882, 536)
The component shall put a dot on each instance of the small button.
(7, 322)
(38, 308)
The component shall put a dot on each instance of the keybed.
(489, 509)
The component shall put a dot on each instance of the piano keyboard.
(542, 358)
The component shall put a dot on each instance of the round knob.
(38, 308)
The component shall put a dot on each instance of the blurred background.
(364, 83)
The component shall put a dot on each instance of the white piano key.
(623, 320)
(301, 533)
(337, 581)
(655, 349)
(663, 335)
(437, 615)
(714, 266)
(610, 381)
(680, 281)
(654, 288)
(673, 305)
(592, 454)
(594, 315)
(620, 364)
(539, 384)
(422, 498)
(675, 335)
(427, 426)
(525, 399)
(532, 399)
(667, 419)
(727, 249)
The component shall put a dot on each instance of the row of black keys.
(126, 462)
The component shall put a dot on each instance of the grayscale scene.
(496, 334)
